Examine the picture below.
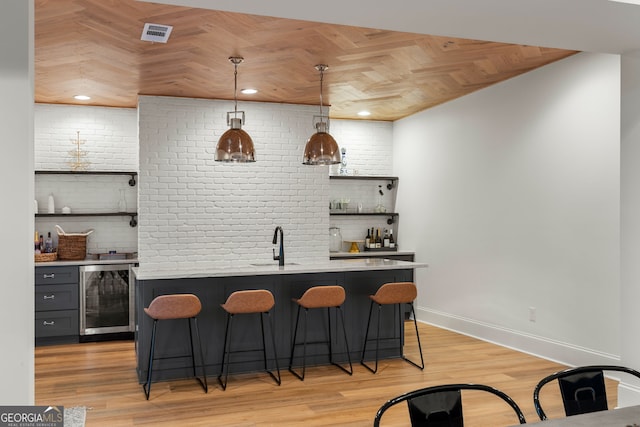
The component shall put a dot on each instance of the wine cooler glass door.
(106, 299)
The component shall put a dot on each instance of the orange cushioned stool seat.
(319, 297)
(395, 293)
(259, 301)
(172, 307)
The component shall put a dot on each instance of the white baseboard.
(556, 351)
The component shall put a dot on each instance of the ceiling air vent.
(156, 33)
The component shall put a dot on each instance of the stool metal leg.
(203, 381)
(366, 338)
(225, 353)
(346, 342)
(264, 348)
(147, 386)
(304, 347)
(377, 339)
(415, 324)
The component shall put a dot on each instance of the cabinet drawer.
(57, 323)
(56, 297)
(53, 275)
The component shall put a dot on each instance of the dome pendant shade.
(235, 145)
(321, 149)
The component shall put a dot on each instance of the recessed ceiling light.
(82, 97)
(364, 113)
(249, 91)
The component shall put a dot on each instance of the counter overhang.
(155, 271)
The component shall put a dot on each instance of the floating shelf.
(392, 215)
(133, 222)
(132, 180)
(392, 179)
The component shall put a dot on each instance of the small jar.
(335, 239)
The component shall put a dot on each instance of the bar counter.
(213, 284)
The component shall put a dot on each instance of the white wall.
(514, 203)
(630, 217)
(16, 187)
(195, 210)
(110, 143)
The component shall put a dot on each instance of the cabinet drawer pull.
(45, 323)
(49, 276)
(48, 297)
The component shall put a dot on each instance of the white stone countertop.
(87, 261)
(155, 271)
(365, 254)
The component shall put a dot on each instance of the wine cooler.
(106, 299)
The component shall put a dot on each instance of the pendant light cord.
(235, 88)
(235, 60)
(321, 68)
(321, 80)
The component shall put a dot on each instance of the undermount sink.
(268, 264)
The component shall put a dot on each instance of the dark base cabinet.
(56, 305)
(172, 341)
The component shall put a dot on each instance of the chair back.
(322, 296)
(249, 301)
(582, 389)
(395, 293)
(441, 405)
(174, 306)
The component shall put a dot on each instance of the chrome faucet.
(280, 256)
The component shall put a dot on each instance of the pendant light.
(321, 148)
(235, 145)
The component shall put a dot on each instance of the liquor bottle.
(392, 242)
(373, 239)
(41, 242)
(378, 239)
(367, 240)
(48, 244)
(36, 243)
(385, 240)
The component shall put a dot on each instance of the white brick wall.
(365, 192)
(111, 137)
(369, 151)
(368, 144)
(194, 210)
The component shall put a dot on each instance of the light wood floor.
(101, 376)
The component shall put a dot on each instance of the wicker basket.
(72, 247)
(45, 257)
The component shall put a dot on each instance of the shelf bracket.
(391, 184)
(134, 221)
(132, 183)
(391, 219)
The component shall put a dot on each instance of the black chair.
(441, 405)
(582, 388)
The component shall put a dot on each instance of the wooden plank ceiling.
(93, 47)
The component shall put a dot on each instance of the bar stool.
(248, 302)
(319, 297)
(170, 307)
(393, 293)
